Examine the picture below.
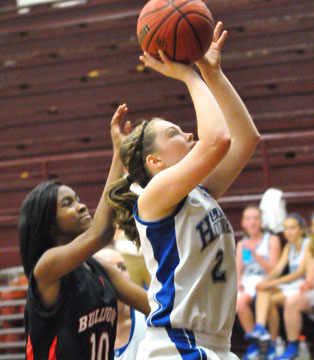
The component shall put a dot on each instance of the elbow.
(224, 143)
(147, 310)
(256, 137)
(108, 234)
(217, 146)
(252, 141)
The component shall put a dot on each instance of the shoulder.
(97, 262)
(47, 300)
(100, 266)
(273, 239)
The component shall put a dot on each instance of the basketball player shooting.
(187, 241)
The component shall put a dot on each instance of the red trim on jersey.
(102, 280)
(53, 350)
(29, 349)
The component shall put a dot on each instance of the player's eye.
(66, 202)
(172, 132)
(121, 267)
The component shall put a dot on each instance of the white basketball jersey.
(129, 351)
(250, 265)
(295, 259)
(190, 256)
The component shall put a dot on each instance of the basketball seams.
(184, 16)
(178, 8)
(154, 11)
(175, 8)
(169, 38)
(168, 3)
(157, 28)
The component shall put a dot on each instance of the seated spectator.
(257, 253)
(131, 324)
(276, 288)
(302, 302)
(13, 293)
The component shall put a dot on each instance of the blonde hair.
(252, 206)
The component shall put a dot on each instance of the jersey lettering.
(107, 314)
(212, 226)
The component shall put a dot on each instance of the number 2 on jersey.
(218, 275)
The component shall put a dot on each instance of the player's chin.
(85, 223)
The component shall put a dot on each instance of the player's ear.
(153, 161)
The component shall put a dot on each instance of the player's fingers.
(163, 56)
(127, 127)
(222, 38)
(151, 62)
(116, 116)
(217, 31)
(119, 114)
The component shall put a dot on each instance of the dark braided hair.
(133, 152)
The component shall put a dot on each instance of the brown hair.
(133, 152)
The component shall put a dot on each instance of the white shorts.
(249, 284)
(290, 289)
(177, 344)
(310, 296)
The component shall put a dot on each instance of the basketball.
(183, 29)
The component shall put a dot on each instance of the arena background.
(66, 65)
(64, 69)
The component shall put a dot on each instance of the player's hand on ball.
(213, 56)
(167, 67)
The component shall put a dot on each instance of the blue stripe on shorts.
(185, 344)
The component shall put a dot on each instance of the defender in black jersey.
(81, 325)
(71, 308)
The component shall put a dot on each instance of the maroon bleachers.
(64, 70)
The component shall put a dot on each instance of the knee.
(293, 304)
(243, 302)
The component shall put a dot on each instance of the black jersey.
(81, 325)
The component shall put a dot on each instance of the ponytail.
(122, 200)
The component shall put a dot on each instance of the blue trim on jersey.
(162, 237)
(185, 344)
(204, 189)
(166, 254)
(120, 351)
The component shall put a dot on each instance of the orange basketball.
(183, 29)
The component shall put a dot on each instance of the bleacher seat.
(13, 290)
